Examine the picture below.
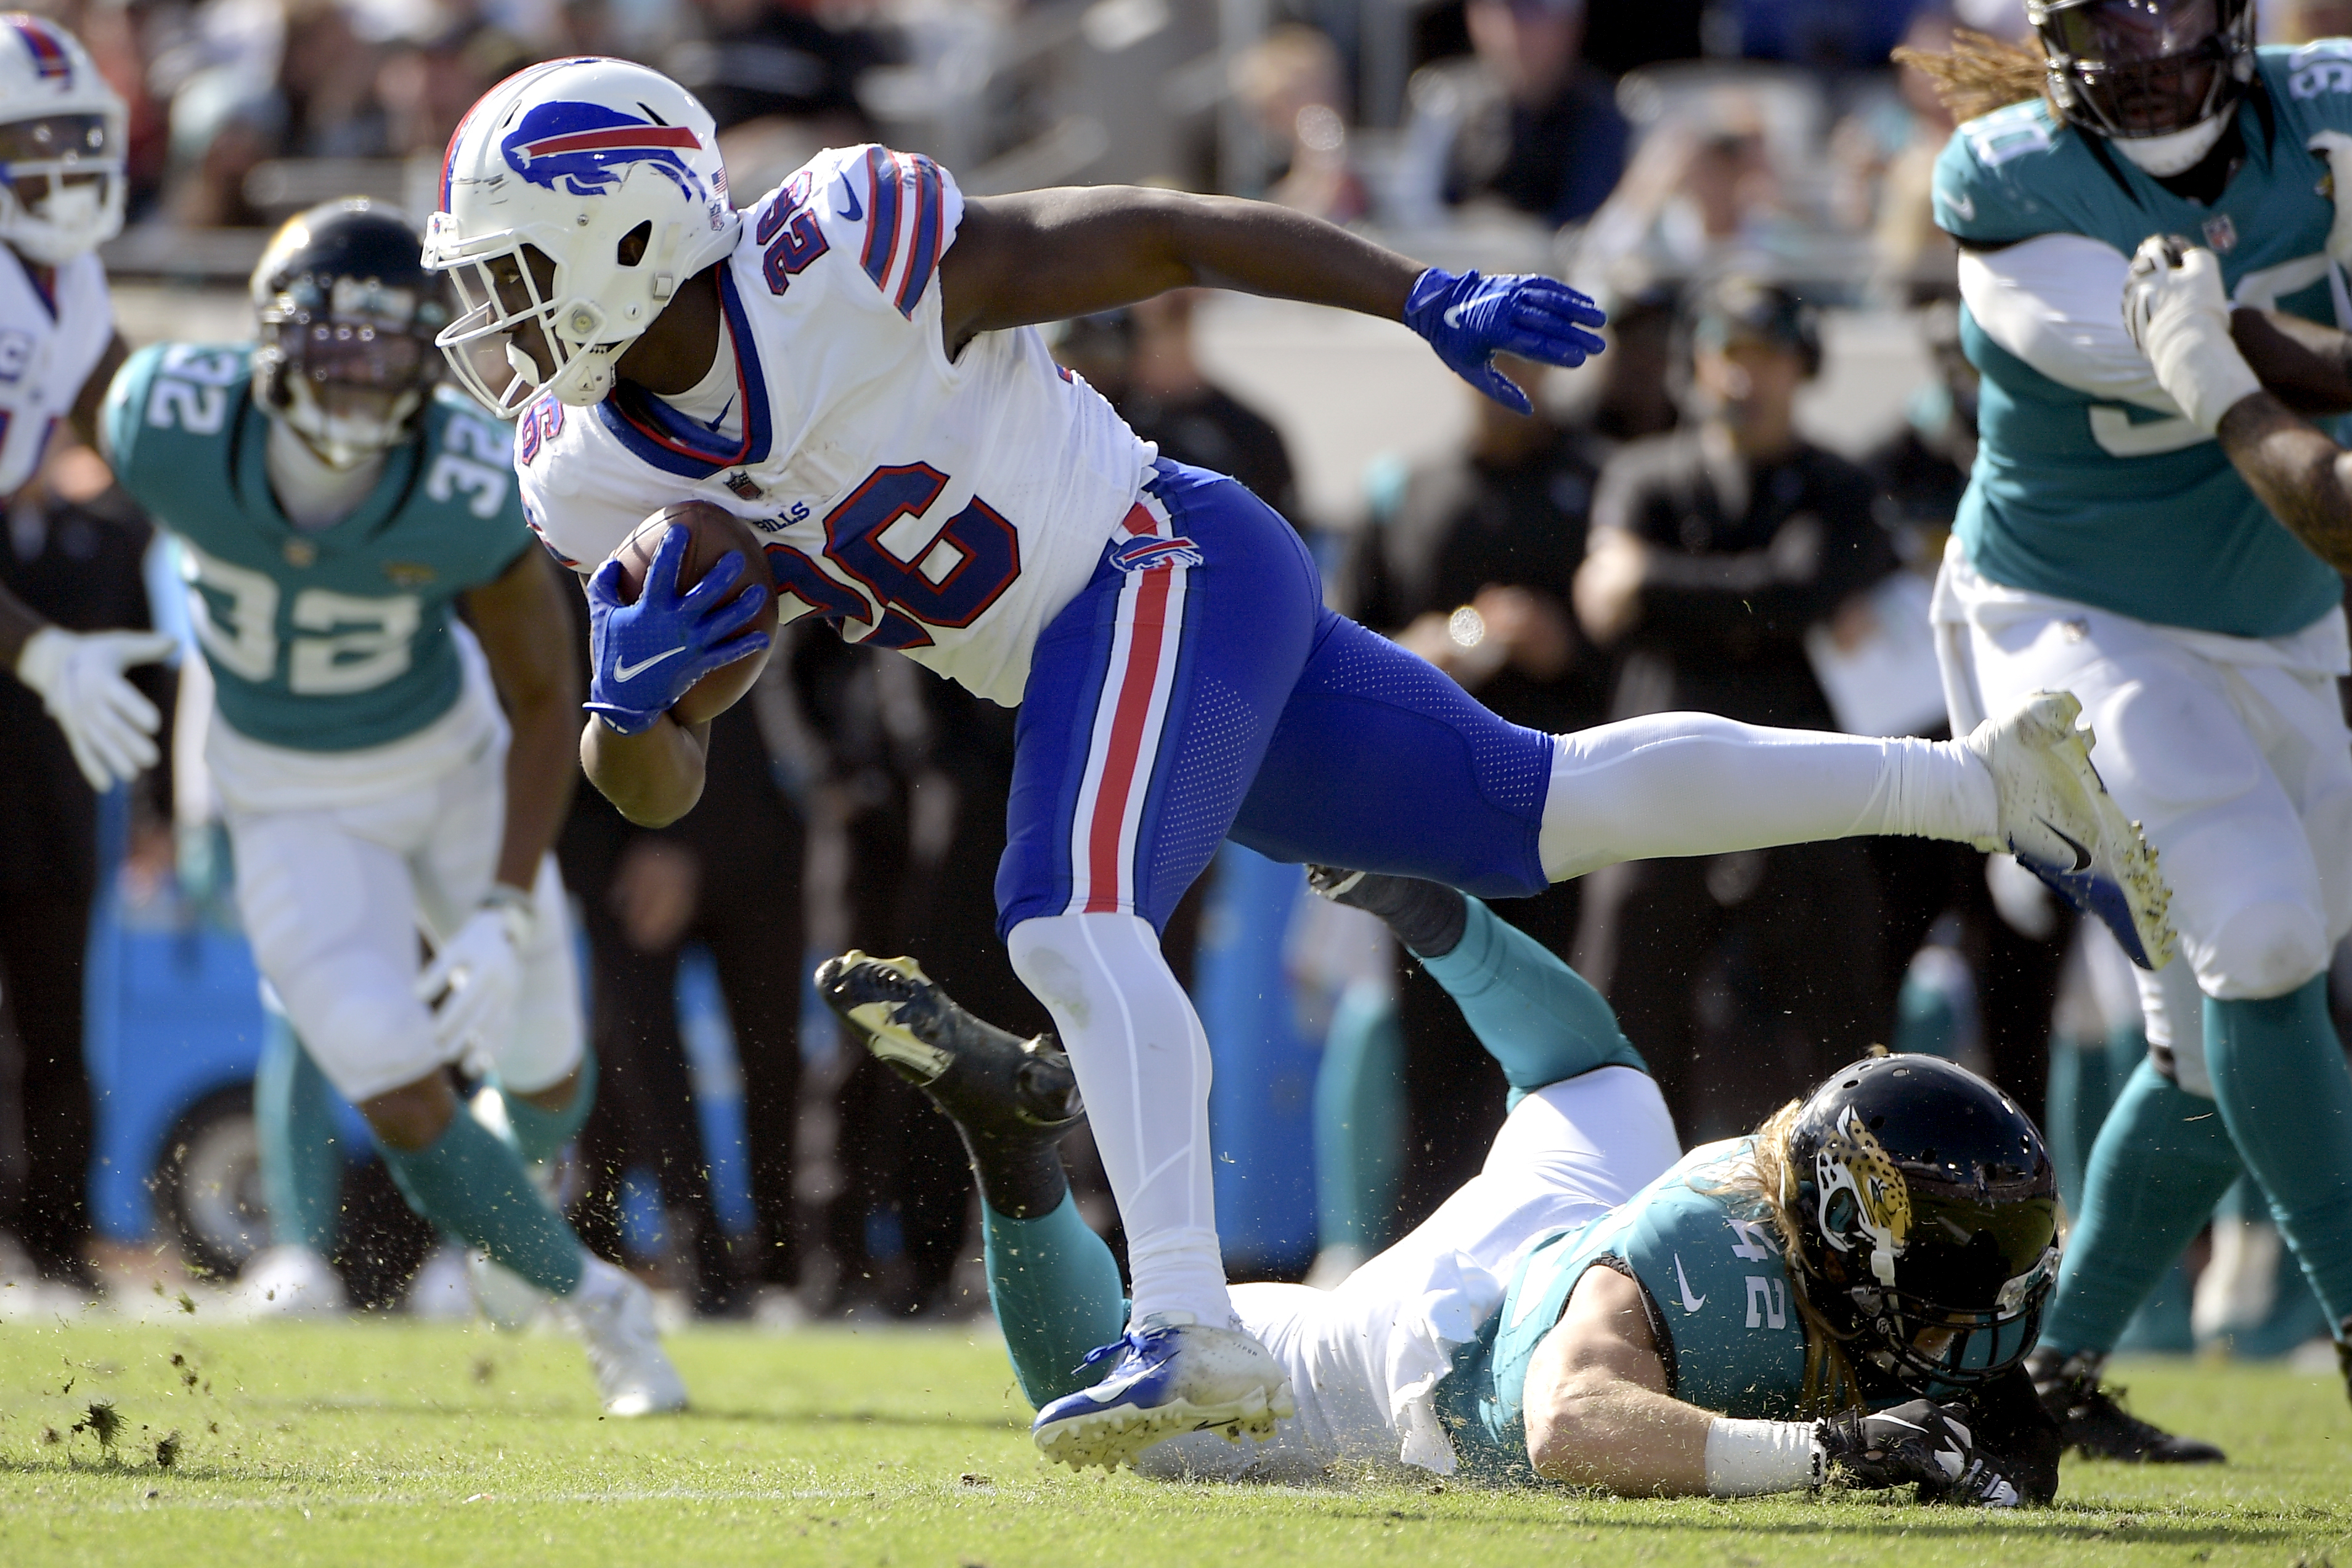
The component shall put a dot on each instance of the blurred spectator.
(427, 86)
(780, 58)
(1712, 552)
(1886, 164)
(1469, 562)
(1141, 357)
(1828, 34)
(73, 553)
(329, 85)
(1700, 194)
(1527, 121)
(1293, 81)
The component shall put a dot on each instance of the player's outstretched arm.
(652, 778)
(1598, 1414)
(1597, 1407)
(2177, 311)
(1046, 256)
(526, 634)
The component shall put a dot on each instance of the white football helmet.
(62, 130)
(576, 197)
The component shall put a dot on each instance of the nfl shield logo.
(2220, 234)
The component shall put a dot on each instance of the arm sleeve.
(2056, 302)
(1539, 1018)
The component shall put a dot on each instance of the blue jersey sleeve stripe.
(930, 204)
(881, 214)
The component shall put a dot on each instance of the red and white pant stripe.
(1130, 713)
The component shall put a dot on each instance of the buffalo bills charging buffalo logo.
(587, 149)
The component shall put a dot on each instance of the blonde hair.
(1762, 1179)
(1980, 73)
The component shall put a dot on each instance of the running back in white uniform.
(48, 347)
(945, 508)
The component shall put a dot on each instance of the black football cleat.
(2092, 1422)
(997, 1087)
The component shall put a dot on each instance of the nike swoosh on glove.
(1469, 320)
(475, 980)
(1921, 1442)
(648, 654)
(2178, 310)
(109, 725)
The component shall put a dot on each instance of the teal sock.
(2279, 1079)
(2160, 1163)
(473, 1185)
(542, 1135)
(294, 1122)
(2085, 1079)
(1534, 1014)
(1054, 1286)
(1359, 1121)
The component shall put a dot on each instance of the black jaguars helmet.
(348, 316)
(2133, 69)
(1926, 1214)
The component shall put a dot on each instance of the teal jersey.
(2110, 503)
(327, 640)
(1719, 1303)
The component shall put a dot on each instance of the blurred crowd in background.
(1733, 179)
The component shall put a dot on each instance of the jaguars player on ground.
(61, 138)
(333, 510)
(849, 367)
(2107, 545)
(1850, 1289)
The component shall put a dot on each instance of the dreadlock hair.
(1760, 1180)
(1980, 73)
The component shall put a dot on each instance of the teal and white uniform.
(355, 744)
(1713, 1283)
(2107, 547)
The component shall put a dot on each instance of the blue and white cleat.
(2058, 820)
(1174, 1375)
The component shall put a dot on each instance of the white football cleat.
(290, 1282)
(2057, 818)
(614, 1316)
(1174, 1375)
(510, 1302)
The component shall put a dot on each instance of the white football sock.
(1692, 784)
(1142, 1064)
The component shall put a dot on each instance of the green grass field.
(384, 1442)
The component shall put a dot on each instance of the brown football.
(713, 531)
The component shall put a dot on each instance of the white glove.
(2334, 149)
(2178, 312)
(78, 675)
(475, 979)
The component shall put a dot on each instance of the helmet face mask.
(2140, 70)
(1927, 1212)
(61, 137)
(577, 197)
(348, 317)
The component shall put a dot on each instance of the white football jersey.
(947, 509)
(48, 349)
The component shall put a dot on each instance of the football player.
(62, 130)
(2185, 589)
(1848, 1290)
(850, 367)
(334, 509)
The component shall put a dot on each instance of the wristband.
(1748, 1458)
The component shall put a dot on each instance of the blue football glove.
(648, 654)
(1469, 320)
